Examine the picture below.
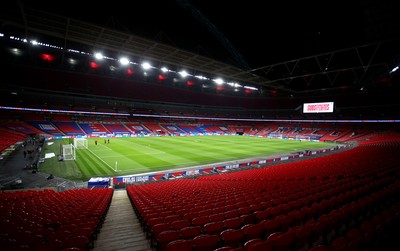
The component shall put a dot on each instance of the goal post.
(68, 152)
(80, 143)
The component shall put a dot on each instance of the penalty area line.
(101, 160)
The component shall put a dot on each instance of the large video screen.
(318, 107)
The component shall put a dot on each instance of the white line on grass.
(101, 159)
(129, 155)
(105, 147)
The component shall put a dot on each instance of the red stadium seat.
(217, 217)
(283, 242)
(248, 245)
(200, 221)
(232, 237)
(271, 226)
(206, 242)
(180, 245)
(190, 232)
(179, 224)
(248, 218)
(213, 227)
(156, 230)
(253, 231)
(234, 223)
(265, 245)
(339, 244)
(166, 237)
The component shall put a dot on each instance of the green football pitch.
(130, 156)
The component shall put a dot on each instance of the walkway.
(121, 230)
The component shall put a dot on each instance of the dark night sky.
(260, 32)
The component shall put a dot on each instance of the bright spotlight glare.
(98, 55)
(124, 61)
(146, 66)
(183, 73)
(219, 81)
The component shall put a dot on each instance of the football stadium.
(116, 140)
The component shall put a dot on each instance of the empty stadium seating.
(50, 220)
(336, 201)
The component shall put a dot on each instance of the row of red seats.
(41, 220)
(275, 234)
(241, 198)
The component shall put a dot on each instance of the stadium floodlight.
(124, 61)
(233, 84)
(183, 73)
(394, 69)
(219, 81)
(250, 87)
(146, 66)
(98, 56)
(201, 77)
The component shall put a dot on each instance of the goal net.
(68, 152)
(80, 143)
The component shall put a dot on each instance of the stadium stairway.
(121, 229)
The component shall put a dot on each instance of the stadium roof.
(293, 48)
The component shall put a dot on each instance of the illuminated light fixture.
(124, 61)
(250, 88)
(219, 81)
(189, 83)
(98, 56)
(94, 65)
(47, 57)
(200, 77)
(234, 84)
(183, 73)
(72, 61)
(247, 91)
(130, 71)
(220, 88)
(146, 66)
(394, 69)
(16, 51)
(161, 77)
